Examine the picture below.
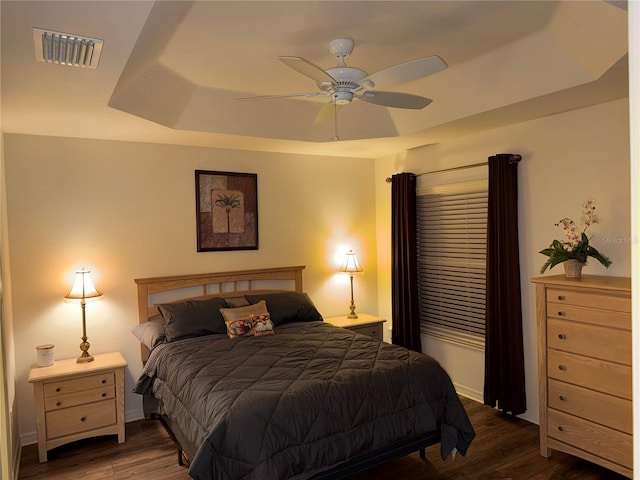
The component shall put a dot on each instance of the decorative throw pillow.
(240, 312)
(250, 325)
(240, 327)
(288, 307)
(192, 318)
(262, 325)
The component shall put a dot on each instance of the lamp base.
(352, 315)
(86, 356)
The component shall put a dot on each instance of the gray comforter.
(291, 404)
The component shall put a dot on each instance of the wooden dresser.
(584, 368)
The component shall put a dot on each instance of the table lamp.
(351, 266)
(81, 292)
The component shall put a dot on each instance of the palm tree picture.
(228, 215)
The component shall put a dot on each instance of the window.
(452, 240)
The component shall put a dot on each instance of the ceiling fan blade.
(394, 99)
(308, 69)
(328, 112)
(405, 72)
(286, 95)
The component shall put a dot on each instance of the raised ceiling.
(171, 72)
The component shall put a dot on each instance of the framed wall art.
(226, 211)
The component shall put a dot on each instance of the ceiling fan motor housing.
(347, 79)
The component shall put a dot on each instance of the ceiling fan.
(342, 83)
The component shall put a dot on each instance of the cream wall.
(9, 441)
(127, 210)
(567, 158)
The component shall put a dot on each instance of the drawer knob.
(560, 297)
(58, 404)
(58, 389)
(104, 395)
(561, 313)
(561, 428)
(562, 367)
(562, 336)
(104, 381)
(83, 419)
(562, 398)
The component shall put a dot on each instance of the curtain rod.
(514, 159)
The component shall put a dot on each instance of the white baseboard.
(28, 438)
(133, 415)
(469, 392)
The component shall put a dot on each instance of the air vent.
(66, 49)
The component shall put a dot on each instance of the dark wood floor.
(504, 448)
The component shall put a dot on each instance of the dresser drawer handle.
(561, 313)
(58, 404)
(560, 297)
(562, 336)
(561, 428)
(83, 419)
(104, 395)
(58, 390)
(562, 367)
(104, 381)
(562, 398)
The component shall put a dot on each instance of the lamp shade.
(83, 288)
(350, 264)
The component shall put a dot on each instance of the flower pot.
(573, 268)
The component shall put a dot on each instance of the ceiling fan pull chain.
(335, 122)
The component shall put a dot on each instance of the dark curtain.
(504, 385)
(404, 266)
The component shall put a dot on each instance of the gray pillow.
(193, 318)
(236, 301)
(287, 307)
(150, 333)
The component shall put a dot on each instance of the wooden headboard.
(224, 284)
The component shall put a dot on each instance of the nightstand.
(78, 400)
(365, 324)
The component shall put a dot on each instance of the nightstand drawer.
(81, 418)
(57, 402)
(370, 330)
(78, 384)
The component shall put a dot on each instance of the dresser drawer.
(371, 330)
(66, 400)
(591, 340)
(591, 437)
(78, 384)
(593, 300)
(606, 377)
(68, 421)
(598, 407)
(606, 318)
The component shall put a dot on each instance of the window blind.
(452, 241)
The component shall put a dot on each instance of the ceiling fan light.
(342, 98)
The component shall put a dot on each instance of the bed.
(253, 384)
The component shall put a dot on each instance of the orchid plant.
(576, 244)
